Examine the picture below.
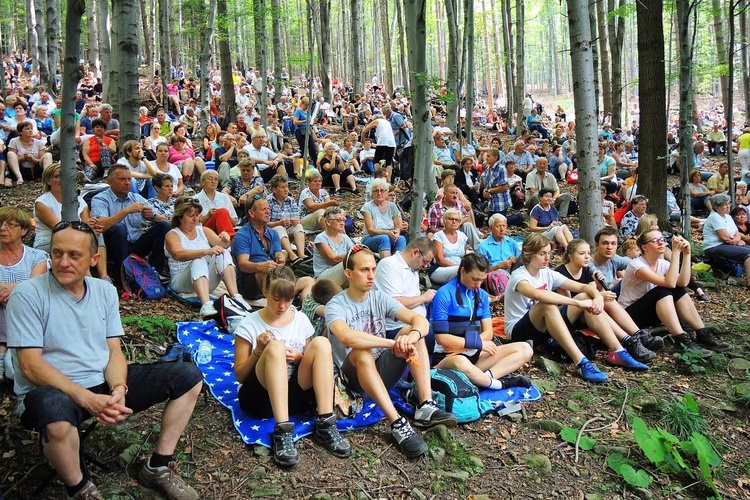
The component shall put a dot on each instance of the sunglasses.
(253, 200)
(352, 251)
(75, 224)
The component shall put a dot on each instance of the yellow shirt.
(717, 183)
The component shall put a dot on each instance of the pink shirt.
(176, 157)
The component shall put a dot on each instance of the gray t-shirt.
(368, 316)
(381, 220)
(320, 264)
(609, 270)
(75, 345)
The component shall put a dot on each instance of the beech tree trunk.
(745, 62)
(126, 15)
(33, 34)
(54, 44)
(225, 58)
(652, 148)
(510, 64)
(148, 41)
(452, 81)
(104, 46)
(325, 48)
(356, 62)
(278, 55)
(258, 28)
(582, 65)
(721, 49)
(601, 15)
(386, 37)
(616, 31)
(520, 69)
(93, 54)
(165, 54)
(405, 79)
(470, 77)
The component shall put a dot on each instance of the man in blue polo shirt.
(256, 249)
(501, 252)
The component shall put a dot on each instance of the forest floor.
(531, 455)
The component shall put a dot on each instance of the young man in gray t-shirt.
(371, 362)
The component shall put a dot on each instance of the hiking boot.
(637, 350)
(168, 480)
(625, 360)
(284, 452)
(328, 435)
(515, 381)
(208, 309)
(649, 340)
(429, 414)
(89, 492)
(688, 343)
(411, 444)
(589, 372)
(174, 354)
(708, 338)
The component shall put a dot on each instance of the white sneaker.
(239, 298)
(208, 309)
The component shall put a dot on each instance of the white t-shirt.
(294, 335)
(715, 222)
(394, 278)
(384, 134)
(633, 287)
(366, 154)
(220, 200)
(174, 173)
(516, 303)
(452, 252)
(43, 236)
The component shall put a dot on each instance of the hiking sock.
(625, 339)
(72, 490)
(157, 460)
(494, 383)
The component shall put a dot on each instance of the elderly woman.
(163, 202)
(141, 169)
(198, 257)
(450, 248)
(739, 216)
(699, 192)
(741, 199)
(184, 157)
(17, 263)
(629, 223)
(27, 157)
(313, 202)
(98, 150)
(218, 212)
(285, 218)
(382, 222)
(48, 212)
(246, 185)
(721, 237)
(544, 219)
(334, 170)
(331, 247)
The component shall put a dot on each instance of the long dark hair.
(471, 262)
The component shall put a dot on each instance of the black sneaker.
(327, 434)
(708, 338)
(284, 452)
(688, 343)
(430, 414)
(638, 350)
(515, 381)
(411, 444)
(650, 341)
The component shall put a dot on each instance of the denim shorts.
(148, 385)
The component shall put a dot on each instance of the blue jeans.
(382, 242)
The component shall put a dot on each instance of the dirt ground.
(519, 457)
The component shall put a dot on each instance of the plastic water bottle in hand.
(203, 355)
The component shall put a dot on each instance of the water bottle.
(203, 355)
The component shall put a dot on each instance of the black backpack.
(230, 313)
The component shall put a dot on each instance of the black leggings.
(643, 310)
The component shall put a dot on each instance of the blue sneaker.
(625, 360)
(174, 354)
(590, 372)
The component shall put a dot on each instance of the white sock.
(494, 383)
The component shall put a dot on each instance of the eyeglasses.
(453, 219)
(211, 178)
(656, 241)
(10, 224)
(352, 251)
(425, 262)
(253, 200)
(337, 219)
(75, 224)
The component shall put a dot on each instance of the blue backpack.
(454, 393)
(140, 279)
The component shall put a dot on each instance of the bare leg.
(316, 371)
(271, 371)
(201, 289)
(230, 280)
(370, 381)
(62, 451)
(175, 417)
(336, 178)
(547, 317)
(687, 312)
(299, 242)
(286, 245)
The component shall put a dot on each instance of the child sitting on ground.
(314, 304)
(630, 248)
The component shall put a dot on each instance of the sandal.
(8, 183)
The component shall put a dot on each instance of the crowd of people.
(219, 209)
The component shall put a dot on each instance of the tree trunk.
(520, 68)
(452, 81)
(278, 56)
(258, 22)
(126, 18)
(165, 54)
(601, 15)
(595, 53)
(147, 42)
(721, 49)
(356, 62)
(652, 150)
(205, 95)
(104, 46)
(93, 54)
(416, 32)
(115, 63)
(729, 97)
(402, 47)
(616, 29)
(325, 48)
(384, 18)
(488, 58)
(510, 65)
(497, 56)
(33, 33)
(263, 53)
(582, 65)
(72, 74)
(470, 80)
(440, 39)
(227, 86)
(554, 51)
(54, 44)
(745, 69)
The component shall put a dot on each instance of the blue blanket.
(219, 377)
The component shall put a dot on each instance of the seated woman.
(462, 323)
(629, 223)
(739, 216)
(163, 202)
(334, 171)
(721, 237)
(17, 263)
(331, 247)
(141, 169)
(382, 222)
(27, 156)
(48, 212)
(198, 257)
(533, 311)
(544, 219)
(246, 185)
(608, 209)
(639, 342)
(184, 157)
(313, 202)
(218, 212)
(740, 197)
(608, 170)
(699, 193)
(282, 369)
(450, 248)
(285, 218)
(653, 293)
(97, 151)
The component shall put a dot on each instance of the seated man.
(541, 178)
(120, 215)
(370, 362)
(501, 252)
(442, 156)
(268, 162)
(73, 369)
(367, 156)
(559, 163)
(716, 140)
(719, 182)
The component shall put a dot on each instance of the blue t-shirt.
(448, 316)
(544, 217)
(498, 251)
(247, 241)
(301, 115)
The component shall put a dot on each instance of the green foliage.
(626, 10)
(690, 363)
(157, 328)
(626, 468)
(706, 277)
(436, 85)
(682, 417)
(570, 435)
